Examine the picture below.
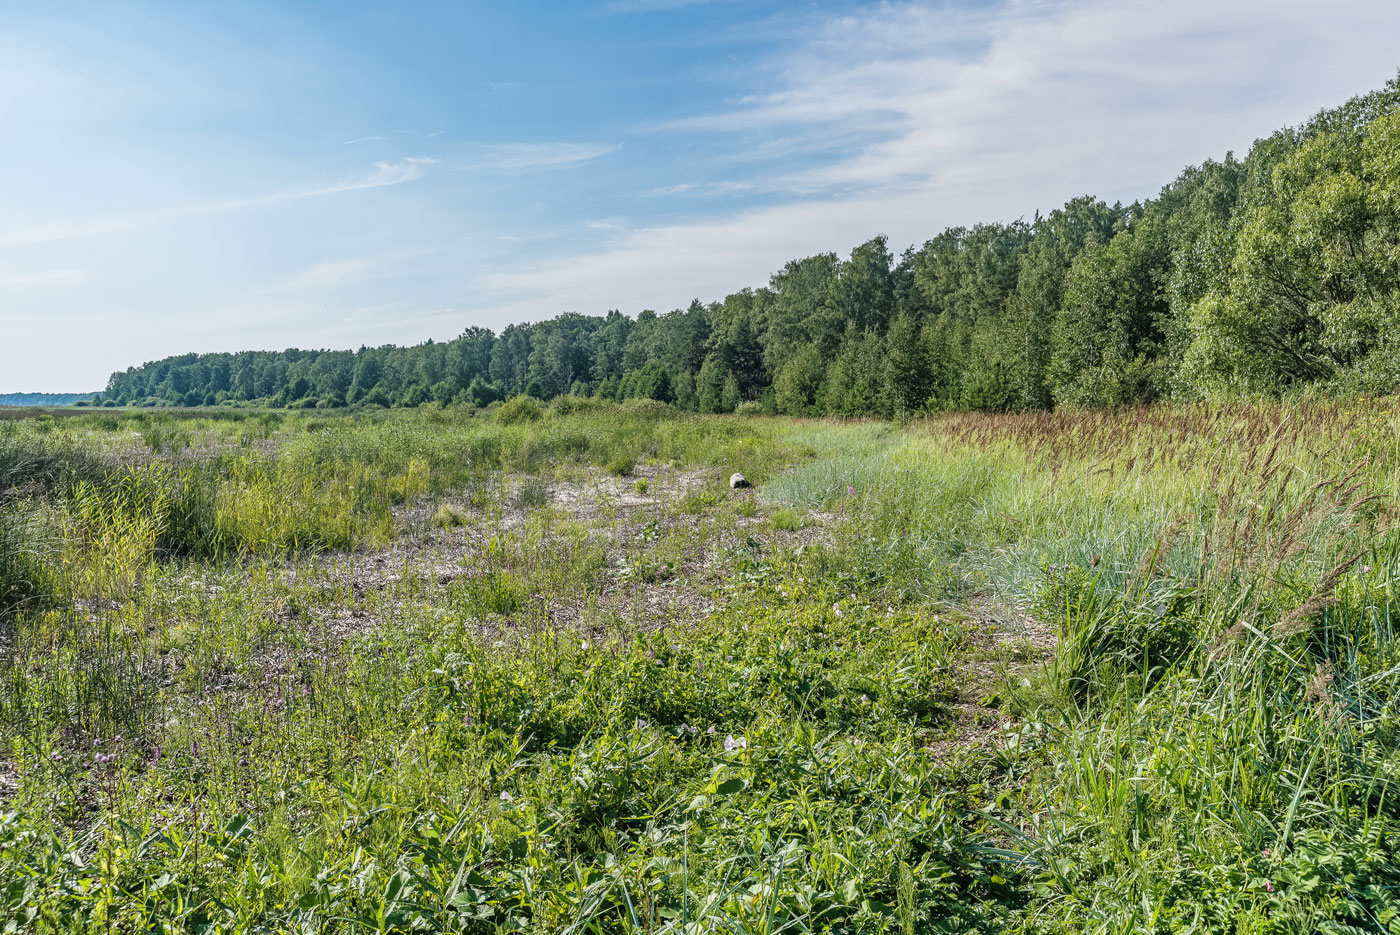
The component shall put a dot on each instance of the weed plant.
(243, 690)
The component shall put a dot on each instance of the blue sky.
(196, 177)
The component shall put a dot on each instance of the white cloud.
(967, 114)
(385, 173)
(520, 157)
(39, 280)
(700, 189)
(327, 274)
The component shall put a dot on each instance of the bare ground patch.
(1007, 643)
(621, 514)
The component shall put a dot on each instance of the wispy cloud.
(385, 174)
(326, 274)
(39, 280)
(700, 189)
(502, 86)
(363, 139)
(652, 6)
(521, 157)
(910, 117)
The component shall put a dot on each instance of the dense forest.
(1275, 274)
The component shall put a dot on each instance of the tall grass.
(1214, 741)
(248, 704)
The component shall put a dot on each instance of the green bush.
(519, 409)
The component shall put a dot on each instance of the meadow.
(538, 669)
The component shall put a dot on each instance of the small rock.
(738, 480)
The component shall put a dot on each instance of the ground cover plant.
(539, 669)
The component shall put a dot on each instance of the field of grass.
(540, 670)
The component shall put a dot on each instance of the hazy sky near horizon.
(183, 177)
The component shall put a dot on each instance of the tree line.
(1263, 276)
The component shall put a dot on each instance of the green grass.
(448, 516)
(243, 690)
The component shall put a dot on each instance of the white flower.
(505, 796)
(732, 743)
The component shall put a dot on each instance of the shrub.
(519, 409)
(622, 466)
(750, 408)
(568, 405)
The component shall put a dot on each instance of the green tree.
(799, 382)
(907, 372)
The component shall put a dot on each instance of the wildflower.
(836, 609)
(102, 758)
(1265, 852)
(1269, 885)
(864, 699)
(710, 729)
(505, 796)
(850, 490)
(1365, 569)
(699, 665)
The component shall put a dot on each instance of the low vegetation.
(444, 671)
